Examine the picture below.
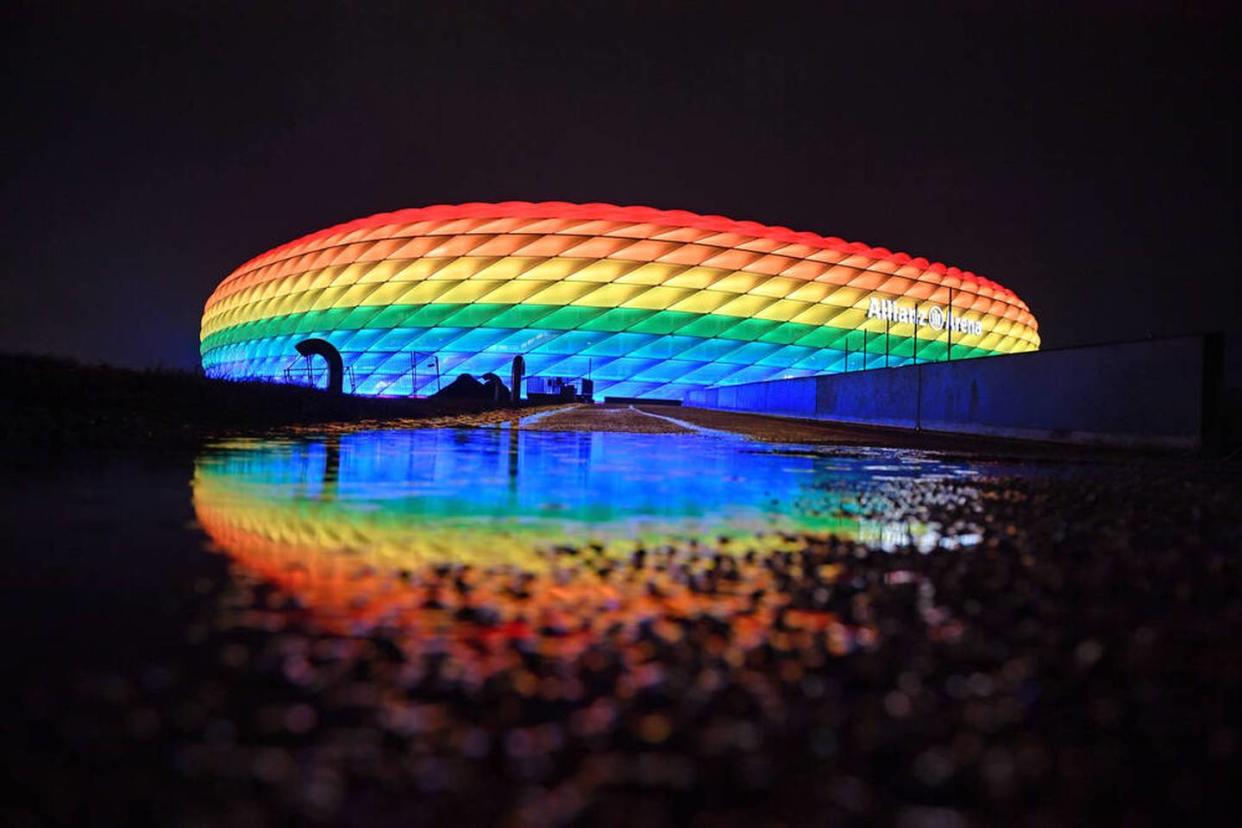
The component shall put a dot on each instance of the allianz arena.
(644, 302)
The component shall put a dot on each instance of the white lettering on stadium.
(936, 317)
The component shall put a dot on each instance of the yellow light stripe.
(254, 303)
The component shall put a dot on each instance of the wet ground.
(623, 418)
(618, 616)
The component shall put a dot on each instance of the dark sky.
(1083, 158)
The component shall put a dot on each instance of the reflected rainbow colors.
(334, 521)
(405, 498)
(402, 498)
(646, 302)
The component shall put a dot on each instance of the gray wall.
(1147, 393)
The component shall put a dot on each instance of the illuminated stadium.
(643, 302)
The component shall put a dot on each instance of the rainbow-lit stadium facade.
(645, 302)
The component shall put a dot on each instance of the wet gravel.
(1079, 663)
(619, 418)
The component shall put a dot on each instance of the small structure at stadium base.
(336, 366)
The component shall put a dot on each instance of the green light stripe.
(571, 317)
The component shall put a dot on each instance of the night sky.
(1082, 158)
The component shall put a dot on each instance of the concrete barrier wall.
(1147, 393)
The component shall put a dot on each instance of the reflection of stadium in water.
(403, 498)
(332, 520)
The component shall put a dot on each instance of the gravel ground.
(1078, 664)
(605, 418)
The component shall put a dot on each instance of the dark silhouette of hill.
(51, 403)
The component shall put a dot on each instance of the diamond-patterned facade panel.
(647, 303)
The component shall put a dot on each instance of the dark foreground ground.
(1080, 665)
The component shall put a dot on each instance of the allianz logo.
(936, 317)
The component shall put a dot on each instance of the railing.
(294, 373)
(421, 357)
